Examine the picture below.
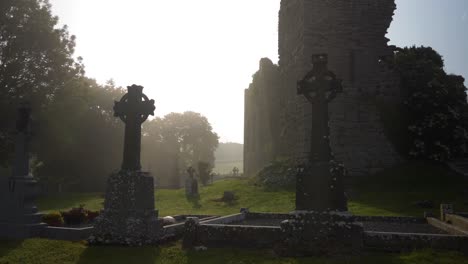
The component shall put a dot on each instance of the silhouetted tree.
(187, 136)
(435, 105)
(76, 141)
(36, 60)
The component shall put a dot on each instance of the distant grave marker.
(191, 183)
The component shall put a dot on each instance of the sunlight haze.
(201, 55)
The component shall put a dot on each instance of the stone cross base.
(129, 216)
(19, 218)
(320, 234)
(320, 187)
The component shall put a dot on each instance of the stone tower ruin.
(352, 33)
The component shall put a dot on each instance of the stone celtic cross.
(191, 172)
(23, 133)
(319, 87)
(318, 189)
(133, 109)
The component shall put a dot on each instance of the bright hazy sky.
(199, 55)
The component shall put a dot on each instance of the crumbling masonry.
(352, 33)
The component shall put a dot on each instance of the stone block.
(129, 216)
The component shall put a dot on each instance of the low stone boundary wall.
(219, 235)
(397, 242)
(250, 215)
(390, 219)
(177, 230)
(67, 233)
(226, 219)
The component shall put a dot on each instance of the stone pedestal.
(129, 216)
(19, 217)
(310, 233)
(319, 187)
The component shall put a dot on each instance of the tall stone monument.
(19, 217)
(129, 216)
(318, 188)
(320, 225)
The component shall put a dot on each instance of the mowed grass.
(392, 192)
(395, 191)
(41, 251)
(225, 167)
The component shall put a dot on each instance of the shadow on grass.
(6, 246)
(395, 191)
(56, 202)
(195, 201)
(116, 255)
(215, 256)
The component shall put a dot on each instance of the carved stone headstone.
(191, 183)
(20, 218)
(319, 183)
(320, 225)
(445, 209)
(129, 216)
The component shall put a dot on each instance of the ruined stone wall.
(261, 126)
(352, 33)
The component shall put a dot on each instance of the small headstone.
(445, 209)
(244, 210)
(191, 183)
(228, 196)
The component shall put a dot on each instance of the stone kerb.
(320, 233)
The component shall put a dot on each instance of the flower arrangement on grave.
(53, 219)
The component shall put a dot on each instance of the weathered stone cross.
(191, 172)
(317, 189)
(23, 128)
(133, 109)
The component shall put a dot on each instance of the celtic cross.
(133, 109)
(191, 172)
(319, 87)
(318, 189)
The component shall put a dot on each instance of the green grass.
(388, 193)
(40, 251)
(225, 167)
(392, 192)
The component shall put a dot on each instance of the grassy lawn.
(388, 193)
(48, 251)
(225, 167)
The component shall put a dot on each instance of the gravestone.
(191, 183)
(319, 188)
(320, 224)
(129, 216)
(445, 209)
(20, 218)
(235, 172)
